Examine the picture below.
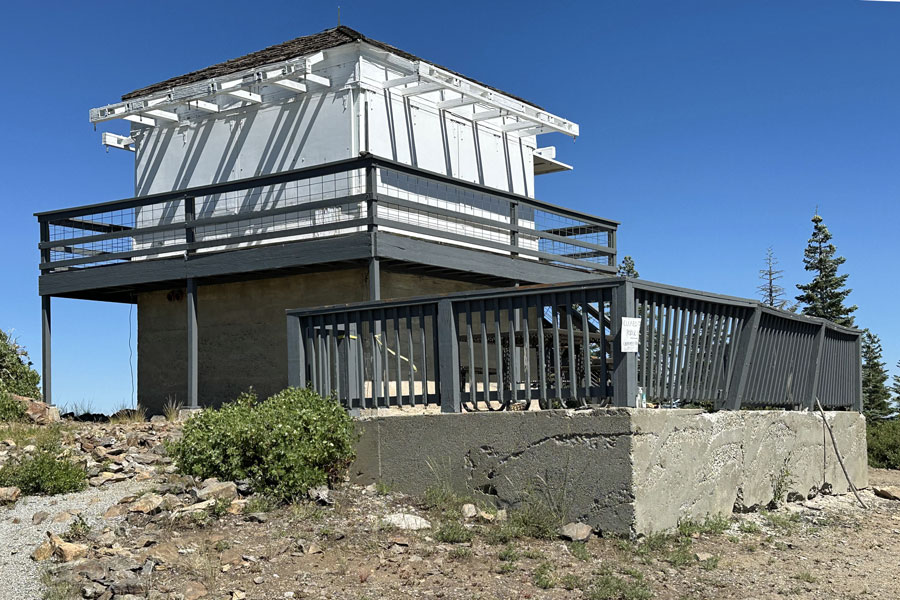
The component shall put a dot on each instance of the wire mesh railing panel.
(686, 348)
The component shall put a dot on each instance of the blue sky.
(711, 129)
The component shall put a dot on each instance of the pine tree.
(626, 268)
(896, 387)
(824, 296)
(770, 292)
(876, 396)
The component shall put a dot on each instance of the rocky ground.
(141, 530)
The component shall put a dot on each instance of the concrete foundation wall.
(623, 471)
(690, 464)
(242, 330)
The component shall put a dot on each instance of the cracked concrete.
(623, 471)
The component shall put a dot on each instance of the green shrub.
(10, 408)
(16, 373)
(453, 532)
(883, 439)
(284, 445)
(43, 473)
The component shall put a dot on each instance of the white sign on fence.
(631, 330)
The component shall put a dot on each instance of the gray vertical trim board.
(192, 342)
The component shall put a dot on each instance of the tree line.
(825, 296)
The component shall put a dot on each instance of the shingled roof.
(309, 44)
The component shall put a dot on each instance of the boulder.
(147, 504)
(406, 521)
(42, 552)
(217, 490)
(194, 590)
(576, 532)
(38, 412)
(68, 551)
(165, 553)
(9, 495)
(469, 511)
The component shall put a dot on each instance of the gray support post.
(296, 362)
(815, 368)
(448, 358)
(192, 353)
(374, 278)
(742, 361)
(46, 373)
(624, 376)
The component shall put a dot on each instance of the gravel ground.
(19, 575)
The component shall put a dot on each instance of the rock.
(42, 552)
(68, 551)
(165, 553)
(231, 556)
(128, 585)
(9, 495)
(116, 510)
(703, 556)
(406, 521)
(29, 449)
(238, 595)
(891, 492)
(486, 516)
(469, 511)
(256, 518)
(576, 532)
(147, 504)
(320, 495)
(107, 477)
(38, 412)
(39, 517)
(92, 590)
(91, 569)
(258, 580)
(236, 507)
(61, 517)
(194, 590)
(217, 490)
(312, 548)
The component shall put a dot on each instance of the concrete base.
(623, 471)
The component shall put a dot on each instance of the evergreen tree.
(626, 268)
(770, 292)
(896, 387)
(876, 396)
(824, 296)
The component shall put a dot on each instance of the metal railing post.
(815, 368)
(514, 226)
(624, 376)
(743, 360)
(448, 358)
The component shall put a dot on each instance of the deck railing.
(362, 194)
(560, 345)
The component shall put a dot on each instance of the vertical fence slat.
(542, 355)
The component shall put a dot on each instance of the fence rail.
(362, 194)
(560, 345)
